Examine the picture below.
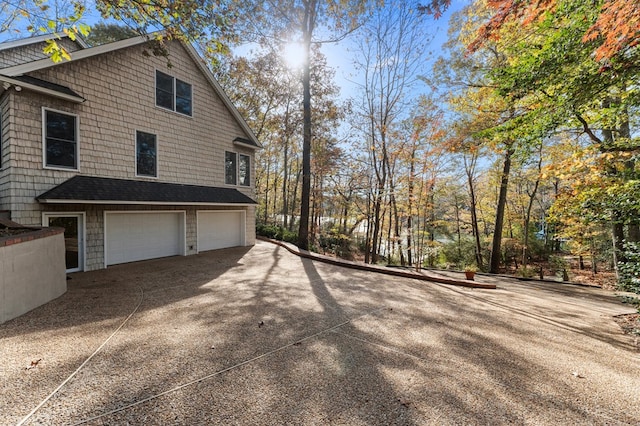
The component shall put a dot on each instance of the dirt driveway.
(260, 336)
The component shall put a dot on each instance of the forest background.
(509, 144)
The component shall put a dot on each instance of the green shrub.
(630, 270)
(276, 233)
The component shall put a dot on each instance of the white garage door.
(220, 229)
(139, 236)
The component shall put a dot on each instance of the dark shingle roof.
(46, 85)
(248, 142)
(100, 190)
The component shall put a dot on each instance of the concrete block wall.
(26, 284)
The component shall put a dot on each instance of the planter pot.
(470, 275)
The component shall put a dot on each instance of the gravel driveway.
(260, 336)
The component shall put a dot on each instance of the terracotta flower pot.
(470, 275)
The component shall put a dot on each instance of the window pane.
(146, 154)
(164, 82)
(244, 170)
(61, 153)
(183, 97)
(164, 99)
(60, 140)
(164, 90)
(230, 168)
(61, 126)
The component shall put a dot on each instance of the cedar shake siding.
(119, 92)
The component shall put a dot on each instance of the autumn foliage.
(617, 25)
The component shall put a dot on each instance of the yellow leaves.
(56, 52)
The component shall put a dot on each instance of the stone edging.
(375, 268)
(30, 234)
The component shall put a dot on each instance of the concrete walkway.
(263, 337)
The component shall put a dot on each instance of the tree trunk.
(469, 169)
(494, 264)
(307, 32)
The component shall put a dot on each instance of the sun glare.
(293, 54)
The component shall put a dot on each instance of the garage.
(134, 236)
(220, 229)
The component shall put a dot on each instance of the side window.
(60, 139)
(164, 90)
(183, 97)
(230, 168)
(173, 94)
(146, 154)
(244, 170)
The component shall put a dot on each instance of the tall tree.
(390, 54)
(301, 21)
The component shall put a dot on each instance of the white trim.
(104, 230)
(243, 213)
(44, 141)
(224, 168)
(248, 171)
(110, 47)
(142, 203)
(42, 90)
(75, 56)
(37, 39)
(246, 145)
(225, 99)
(135, 154)
(82, 239)
(175, 94)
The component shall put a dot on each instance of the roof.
(40, 64)
(42, 86)
(40, 38)
(98, 190)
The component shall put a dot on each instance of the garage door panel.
(139, 236)
(221, 229)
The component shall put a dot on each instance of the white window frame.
(237, 171)
(224, 168)
(248, 170)
(135, 154)
(174, 93)
(44, 140)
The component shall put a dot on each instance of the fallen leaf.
(33, 364)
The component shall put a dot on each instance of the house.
(137, 156)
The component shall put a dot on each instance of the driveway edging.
(375, 268)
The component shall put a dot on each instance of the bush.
(339, 244)
(630, 270)
(450, 256)
(276, 233)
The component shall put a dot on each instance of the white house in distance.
(135, 158)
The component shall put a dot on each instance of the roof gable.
(12, 44)
(19, 70)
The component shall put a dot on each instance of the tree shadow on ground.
(274, 339)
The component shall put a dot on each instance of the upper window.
(173, 94)
(60, 134)
(146, 155)
(237, 169)
(244, 170)
(230, 168)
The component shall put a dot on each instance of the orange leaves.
(619, 27)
